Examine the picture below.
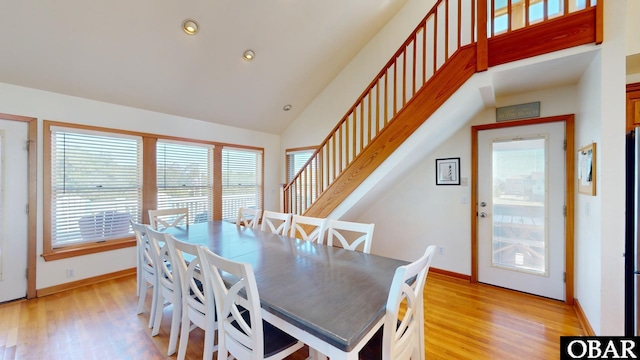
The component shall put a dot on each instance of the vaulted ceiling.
(135, 52)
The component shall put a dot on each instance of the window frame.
(292, 151)
(149, 188)
(259, 173)
(210, 165)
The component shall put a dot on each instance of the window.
(185, 178)
(305, 189)
(96, 185)
(241, 180)
(97, 179)
(296, 158)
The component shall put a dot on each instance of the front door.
(13, 209)
(521, 202)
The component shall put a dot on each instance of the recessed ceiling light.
(248, 55)
(287, 107)
(190, 26)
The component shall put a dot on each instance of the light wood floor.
(462, 321)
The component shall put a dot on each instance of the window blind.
(295, 161)
(96, 185)
(185, 178)
(241, 180)
(306, 185)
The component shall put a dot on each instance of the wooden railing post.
(600, 22)
(482, 46)
(284, 203)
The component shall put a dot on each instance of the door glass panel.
(519, 237)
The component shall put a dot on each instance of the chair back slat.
(276, 222)
(164, 218)
(248, 217)
(308, 228)
(403, 334)
(350, 235)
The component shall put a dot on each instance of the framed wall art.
(587, 170)
(448, 171)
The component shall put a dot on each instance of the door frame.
(569, 121)
(32, 159)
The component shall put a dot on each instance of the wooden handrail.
(432, 44)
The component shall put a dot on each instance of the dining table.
(330, 298)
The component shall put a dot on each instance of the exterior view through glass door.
(521, 174)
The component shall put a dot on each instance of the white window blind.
(295, 161)
(241, 180)
(185, 178)
(96, 185)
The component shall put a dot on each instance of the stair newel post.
(482, 46)
(284, 198)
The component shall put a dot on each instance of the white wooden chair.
(248, 217)
(198, 310)
(402, 336)
(146, 271)
(276, 222)
(164, 218)
(350, 235)
(169, 288)
(241, 330)
(308, 228)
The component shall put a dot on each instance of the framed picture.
(587, 170)
(448, 171)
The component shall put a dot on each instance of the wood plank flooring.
(462, 321)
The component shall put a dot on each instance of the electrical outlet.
(71, 273)
(441, 250)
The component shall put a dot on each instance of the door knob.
(483, 214)
(483, 204)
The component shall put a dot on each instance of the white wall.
(415, 212)
(611, 170)
(588, 246)
(51, 106)
(632, 27)
(324, 112)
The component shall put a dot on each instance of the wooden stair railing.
(450, 44)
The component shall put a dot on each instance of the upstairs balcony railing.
(448, 27)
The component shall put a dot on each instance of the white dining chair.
(402, 335)
(276, 222)
(308, 228)
(242, 332)
(164, 218)
(146, 270)
(169, 287)
(350, 235)
(248, 217)
(198, 310)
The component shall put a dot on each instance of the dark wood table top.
(335, 294)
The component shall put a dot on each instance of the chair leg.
(209, 346)
(175, 328)
(154, 304)
(139, 277)
(142, 293)
(184, 335)
(157, 318)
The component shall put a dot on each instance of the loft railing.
(513, 15)
(448, 27)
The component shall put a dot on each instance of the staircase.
(454, 41)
